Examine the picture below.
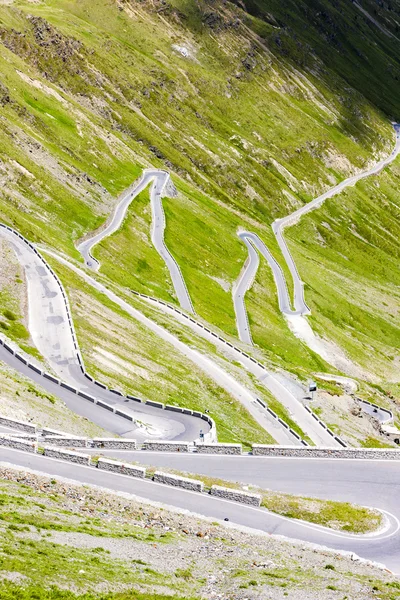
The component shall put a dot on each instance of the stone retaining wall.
(48, 431)
(167, 446)
(176, 481)
(117, 467)
(18, 444)
(67, 442)
(219, 449)
(314, 452)
(116, 443)
(19, 425)
(74, 457)
(236, 495)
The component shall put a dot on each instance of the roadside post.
(312, 388)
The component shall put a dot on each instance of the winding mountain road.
(50, 325)
(160, 184)
(278, 226)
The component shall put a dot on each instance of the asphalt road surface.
(367, 483)
(160, 181)
(252, 241)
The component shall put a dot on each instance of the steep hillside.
(255, 108)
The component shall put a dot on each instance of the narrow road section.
(161, 183)
(278, 226)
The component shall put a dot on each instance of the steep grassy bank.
(61, 541)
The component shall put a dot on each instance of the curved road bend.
(51, 334)
(309, 475)
(303, 418)
(300, 306)
(254, 243)
(160, 181)
(50, 329)
(279, 225)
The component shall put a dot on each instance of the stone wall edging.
(68, 455)
(235, 495)
(122, 468)
(18, 444)
(177, 481)
(18, 425)
(230, 449)
(323, 452)
(166, 446)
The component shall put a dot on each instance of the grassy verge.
(123, 353)
(341, 516)
(64, 541)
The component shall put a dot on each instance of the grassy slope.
(52, 534)
(120, 351)
(251, 127)
(348, 255)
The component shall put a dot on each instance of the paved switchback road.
(368, 483)
(49, 326)
(160, 184)
(278, 226)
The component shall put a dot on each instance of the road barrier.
(68, 455)
(319, 452)
(121, 468)
(115, 443)
(178, 481)
(233, 449)
(66, 442)
(166, 446)
(331, 433)
(18, 444)
(18, 425)
(375, 406)
(235, 495)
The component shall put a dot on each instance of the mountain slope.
(255, 108)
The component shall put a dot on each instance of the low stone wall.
(236, 495)
(219, 448)
(176, 481)
(18, 444)
(74, 457)
(314, 452)
(19, 425)
(161, 446)
(29, 437)
(66, 442)
(116, 443)
(55, 432)
(117, 467)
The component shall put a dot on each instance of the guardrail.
(331, 433)
(281, 421)
(221, 339)
(210, 436)
(375, 406)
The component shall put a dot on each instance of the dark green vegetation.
(273, 103)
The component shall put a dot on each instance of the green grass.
(11, 591)
(342, 516)
(352, 275)
(248, 133)
(151, 368)
(45, 563)
(129, 258)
